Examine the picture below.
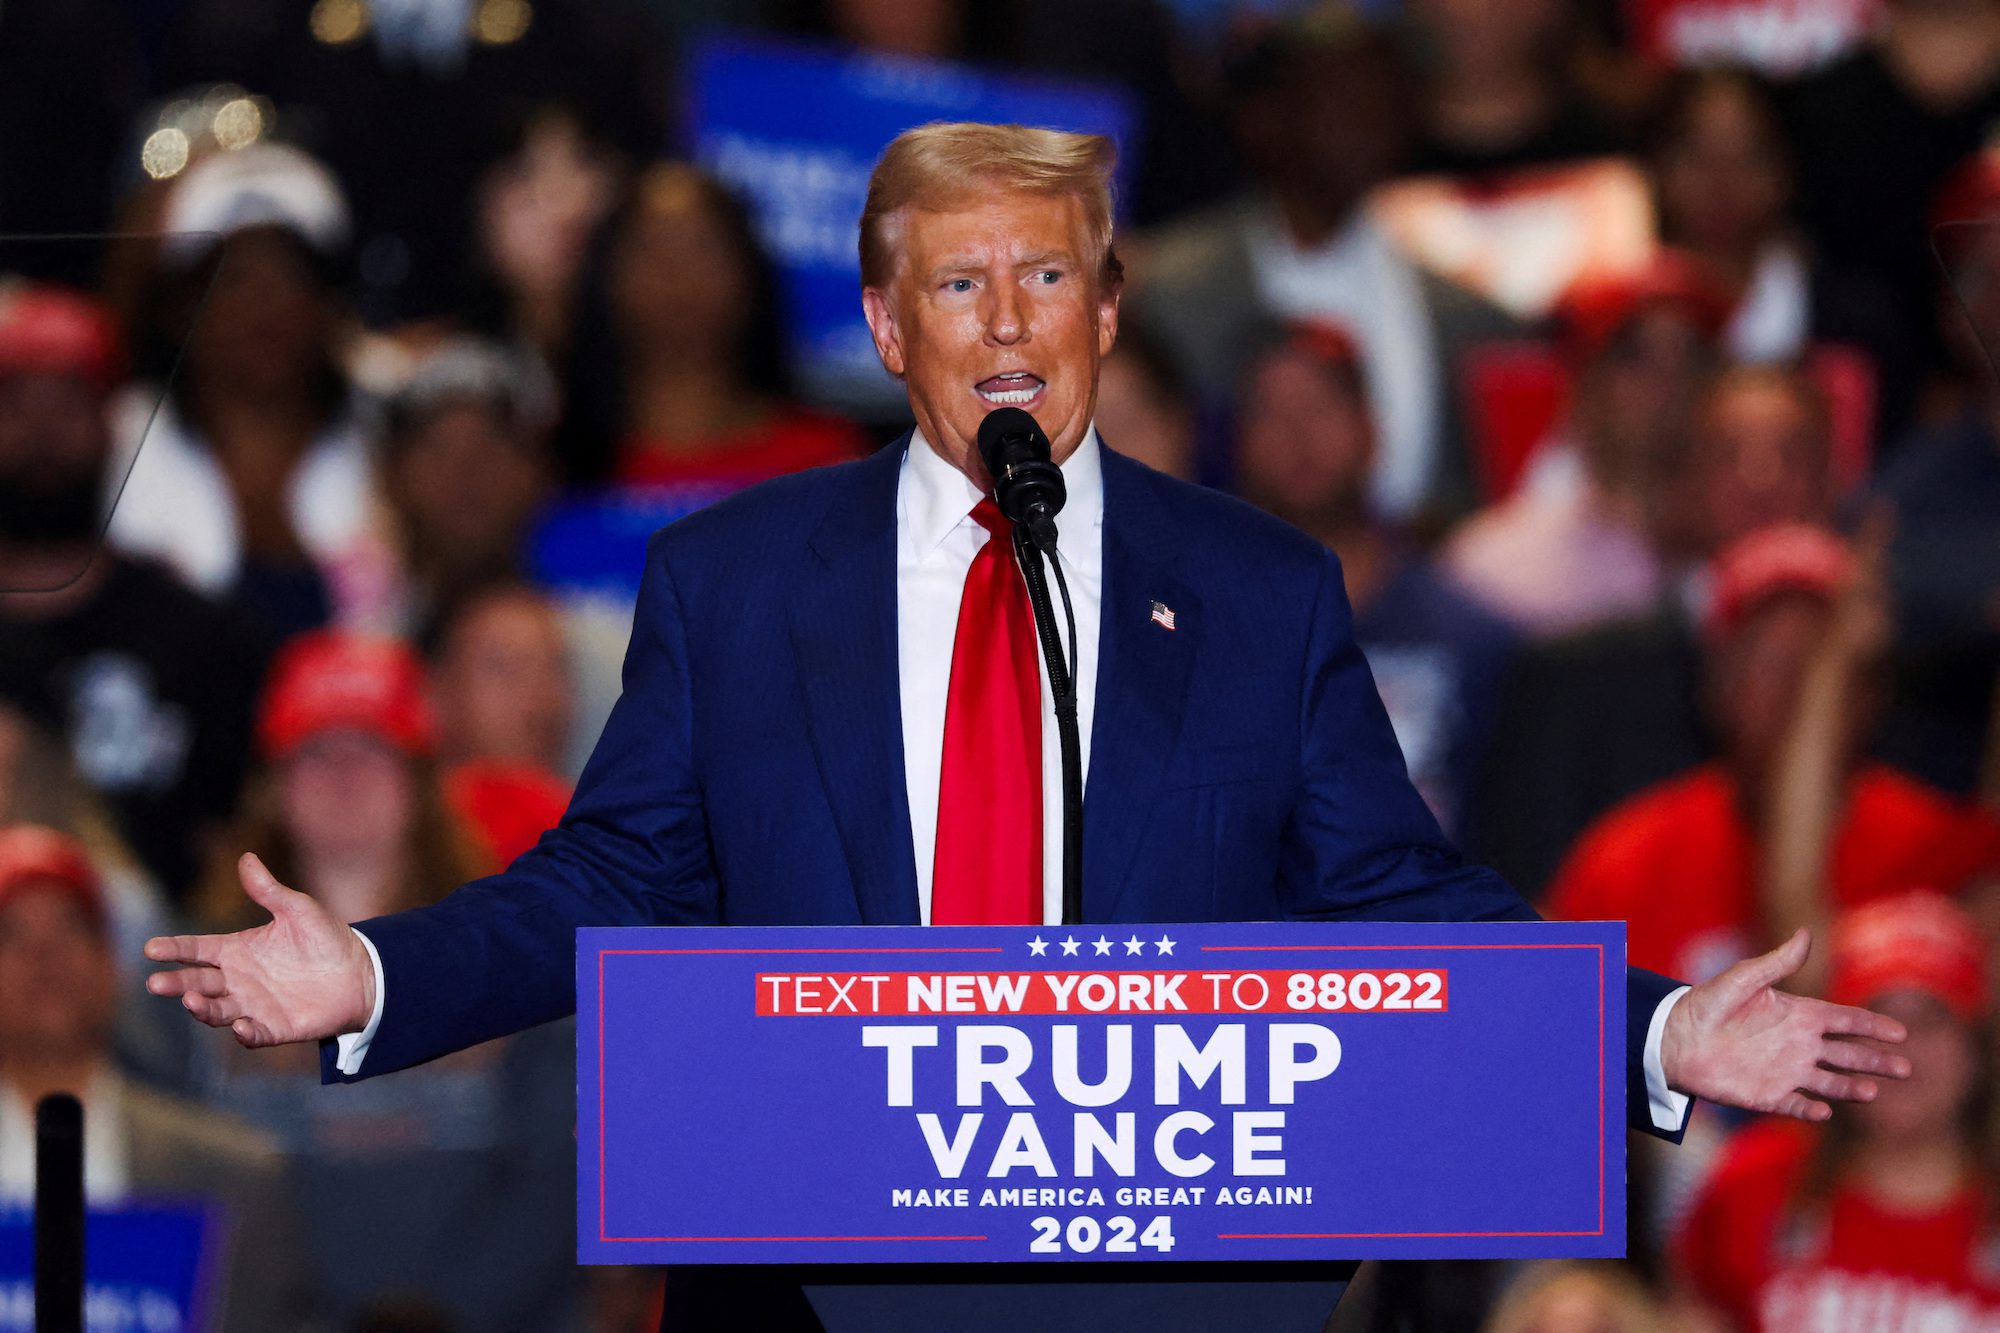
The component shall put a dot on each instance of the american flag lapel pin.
(1163, 615)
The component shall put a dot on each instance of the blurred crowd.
(1635, 356)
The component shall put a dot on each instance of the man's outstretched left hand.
(1738, 1040)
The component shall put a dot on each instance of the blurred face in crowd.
(57, 978)
(1336, 126)
(1761, 457)
(1969, 305)
(347, 795)
(502, 685)
(1636, 397)
(467, 482)
(997, 304)
(264, 329)
(1490, 34)
(1944, 1061)
(1755, 671)
(1141, 420)
(1305, 442)
(1722, 178)
(680, 283)
(901, 27)
(539, 206)
(53, 446)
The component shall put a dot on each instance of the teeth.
(1008, 397)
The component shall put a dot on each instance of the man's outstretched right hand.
(302, 976)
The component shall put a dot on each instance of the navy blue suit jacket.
(1241, 767)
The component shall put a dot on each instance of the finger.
(209, 981)
(216, 1012)
(1771, 968)
(262, 885)
(1799, 1106)
(250, 1033)
(1856, 1058)
(203, 949)
(177, 982)
(1840, 1020)
(1838, 1087)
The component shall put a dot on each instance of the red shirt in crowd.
(1677, 864)
(1751, 1252)
(789, 440)
(506, 806)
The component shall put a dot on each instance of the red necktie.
(988, 868)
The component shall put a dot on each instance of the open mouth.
(1015, 388)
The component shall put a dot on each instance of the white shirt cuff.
(1669, 1108)
(352, 1048)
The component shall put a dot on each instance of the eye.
(959, 285)
(1049, 277)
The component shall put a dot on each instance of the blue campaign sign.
(796, 129)
(147, 1269)
(1245, 1091)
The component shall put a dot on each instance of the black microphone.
(1027, 485)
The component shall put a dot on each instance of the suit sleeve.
(1362, 845)
(498, 955)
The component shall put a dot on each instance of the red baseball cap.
(336, 679)
(1596, 310)
(46, 329)
(35, 857)
(1917, 941)
(1784, 557)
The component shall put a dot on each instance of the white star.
(1069, 947)
(1038, 946)
(1164, 945)
(1135, 945)
(1102, 945)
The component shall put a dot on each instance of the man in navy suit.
(804, 737)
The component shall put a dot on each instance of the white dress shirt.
(936, 540)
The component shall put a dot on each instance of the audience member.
(1304, 450)
(1590, 719)
(1878, 131)
(1943, 484)
(1724, 184)
(1144, 410)
(454, 1182)
(466, 467)
(500, 682)
(410, 103)
(1882, 1218)
(150, 684)
(1579, 543)
(254, 476)
(1322, 116)
(1680, 862)
(679, 373)
(1568, 1297)
(538, 207)
(58, 998)
(1499, 90)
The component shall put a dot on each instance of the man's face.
(56, 977)
(53, 446)
(995, 305)
(1305, 442)
(1761, 459)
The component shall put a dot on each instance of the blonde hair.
(930, 166)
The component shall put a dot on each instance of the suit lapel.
(843, 625)
(1142, 681)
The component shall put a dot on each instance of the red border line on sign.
(1444, 1235)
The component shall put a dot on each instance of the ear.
(1107, 322)
(882, 328)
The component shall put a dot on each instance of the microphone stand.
(1062, 685)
